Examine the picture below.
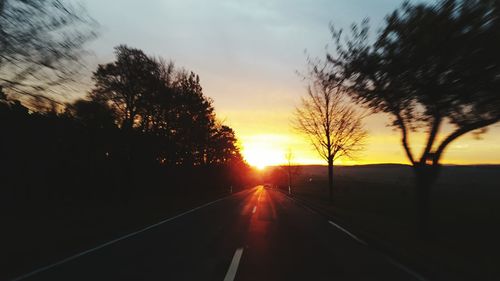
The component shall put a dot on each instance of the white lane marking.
(254, 209)
(348, 233)
(231, 272)
(24, 276)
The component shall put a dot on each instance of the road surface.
(258, 234)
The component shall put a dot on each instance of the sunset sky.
(247, 54)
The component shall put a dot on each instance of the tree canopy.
(150, 96)
(145, 129)
(430, 65)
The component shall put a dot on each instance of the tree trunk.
(330, 179)
(289, 179)
(425, 176)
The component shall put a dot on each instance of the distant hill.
(384, 173)
(322, 169)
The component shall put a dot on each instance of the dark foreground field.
(377, 201)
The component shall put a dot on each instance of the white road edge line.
(24, 276)
(405, 269)
(399, 265)
(348, 233)
(233, 268)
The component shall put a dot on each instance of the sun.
(260, 166)
(262, 154)
(259, 158)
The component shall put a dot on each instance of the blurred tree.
(333, 126)
(41, 43)
(430, 65)
(11, 106)
(3, 96)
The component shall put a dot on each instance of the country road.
(258, 234)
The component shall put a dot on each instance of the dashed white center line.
(233, 268)
(254, 209)
(347, 232)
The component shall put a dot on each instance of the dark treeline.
(145, 129)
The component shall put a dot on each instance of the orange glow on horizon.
(266, 137)
(263, 150)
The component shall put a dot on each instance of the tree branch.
(436, 123)
(404, 137)
(459, 132)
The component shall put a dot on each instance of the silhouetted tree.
(195, 119)
(126, 83)
(429, 66)
(41, 42)
(152, 97)
(156, 110)
(291, 170)
(145, 126)
(333, 126)
(223, 148)
(92, 114)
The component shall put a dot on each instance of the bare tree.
(290, 168)
(333, 126)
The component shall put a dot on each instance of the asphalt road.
(258, 234)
